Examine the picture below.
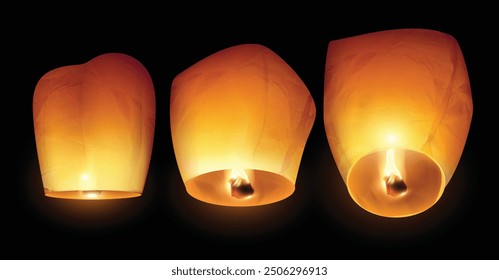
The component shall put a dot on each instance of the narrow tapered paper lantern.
(240, 119)
(397, 111)
(94, 128)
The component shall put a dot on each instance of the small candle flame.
(92, 194)
(240, 185)
(395, 185)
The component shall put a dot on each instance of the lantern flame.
(92, 194)
(240, 185)
(395, 185)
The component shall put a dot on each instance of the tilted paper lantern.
(94, 128)
(397, 111)
(240, 119)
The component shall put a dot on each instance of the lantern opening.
(240, 186)
(217, 188)
(388, 196)
(395, 185)
(90, 194)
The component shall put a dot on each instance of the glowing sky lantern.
(240, 119)
(397, 111)
(94, 128)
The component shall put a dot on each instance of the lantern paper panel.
(94, 128)
(397, 111)
(240, 119)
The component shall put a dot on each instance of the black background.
(319, 221)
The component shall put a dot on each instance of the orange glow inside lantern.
(397, 111)
(94, 128)
(240, 119)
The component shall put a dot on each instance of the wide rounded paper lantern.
(397, 111)
(94, 128)
(240, 119)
